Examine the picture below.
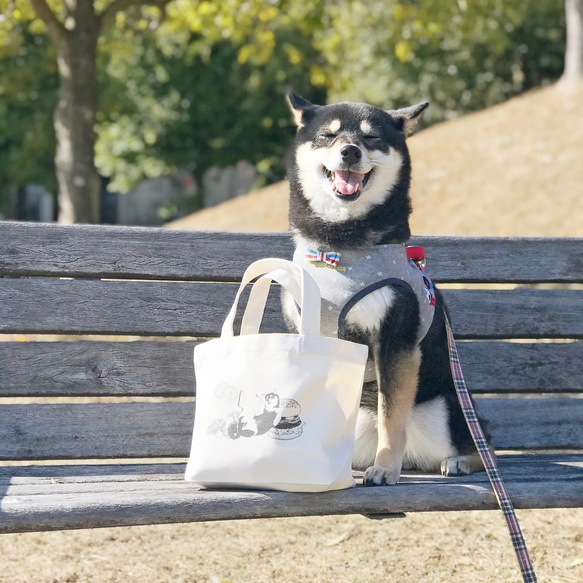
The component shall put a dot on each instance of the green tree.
(75, 27)
(462, 56)
(198, 103)
(204, 85)
(28, 95)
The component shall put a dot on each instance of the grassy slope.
(513, 169)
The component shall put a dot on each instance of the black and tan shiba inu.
(349, 174)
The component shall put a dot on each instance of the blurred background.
(142, 112)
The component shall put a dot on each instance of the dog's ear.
(407, 117)
(301, 108)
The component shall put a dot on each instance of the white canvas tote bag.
(276, 411)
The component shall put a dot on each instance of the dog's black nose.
(351, 154)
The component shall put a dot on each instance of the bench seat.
(90, 496)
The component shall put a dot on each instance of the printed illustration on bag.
(254, 415)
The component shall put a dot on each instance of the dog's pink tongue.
(346, 182)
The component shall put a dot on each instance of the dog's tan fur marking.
(335, 125)
(392, 417)
(365, 127)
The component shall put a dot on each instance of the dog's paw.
(380, 476)
(461, 465)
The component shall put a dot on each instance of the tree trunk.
(574, 51)
(74, 118)
(76, 42)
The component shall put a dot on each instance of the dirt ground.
(468, 547)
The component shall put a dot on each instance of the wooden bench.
(94, 432)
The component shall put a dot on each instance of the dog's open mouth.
(347, 184)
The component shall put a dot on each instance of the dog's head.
(350, 157)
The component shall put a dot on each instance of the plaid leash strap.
(494, 476)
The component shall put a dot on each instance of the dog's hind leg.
(463, 465)
(397, 390)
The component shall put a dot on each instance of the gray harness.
(345, 278)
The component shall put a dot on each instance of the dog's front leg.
(397, 380)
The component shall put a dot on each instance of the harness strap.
(365, 291)
(494, 476)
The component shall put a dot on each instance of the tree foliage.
(205, 86)
(28, 93)
(462, 56)
(193, 104)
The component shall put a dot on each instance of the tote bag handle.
(258, 298)
(293, 278)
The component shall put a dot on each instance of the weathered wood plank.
(73, 505)
(37, 475)
(31, 479)
(55, 306)
(95, 430)
(115, 307)
(511, 260)
(143, 253)
(141, 430)
(87, 368)
(155, 482)
(517, 313)
(132, 252)
(103, 369)
(493, 367)
(534, 423)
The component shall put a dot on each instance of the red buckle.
(415, 252)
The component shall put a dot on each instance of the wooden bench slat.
(32, 478)
(113, 307)
(537, 423)
(499, 367)
(53, 306)
(142, 430)
(516, 313)
(133, 252)
(95, 430)
(146, 500)
(85, 368)
(144, 253)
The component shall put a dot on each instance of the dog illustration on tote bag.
(255, 415)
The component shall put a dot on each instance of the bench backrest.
(133, 295)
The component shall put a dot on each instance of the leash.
(416, 255)
(494, 476)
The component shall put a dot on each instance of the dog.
(349, 171)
